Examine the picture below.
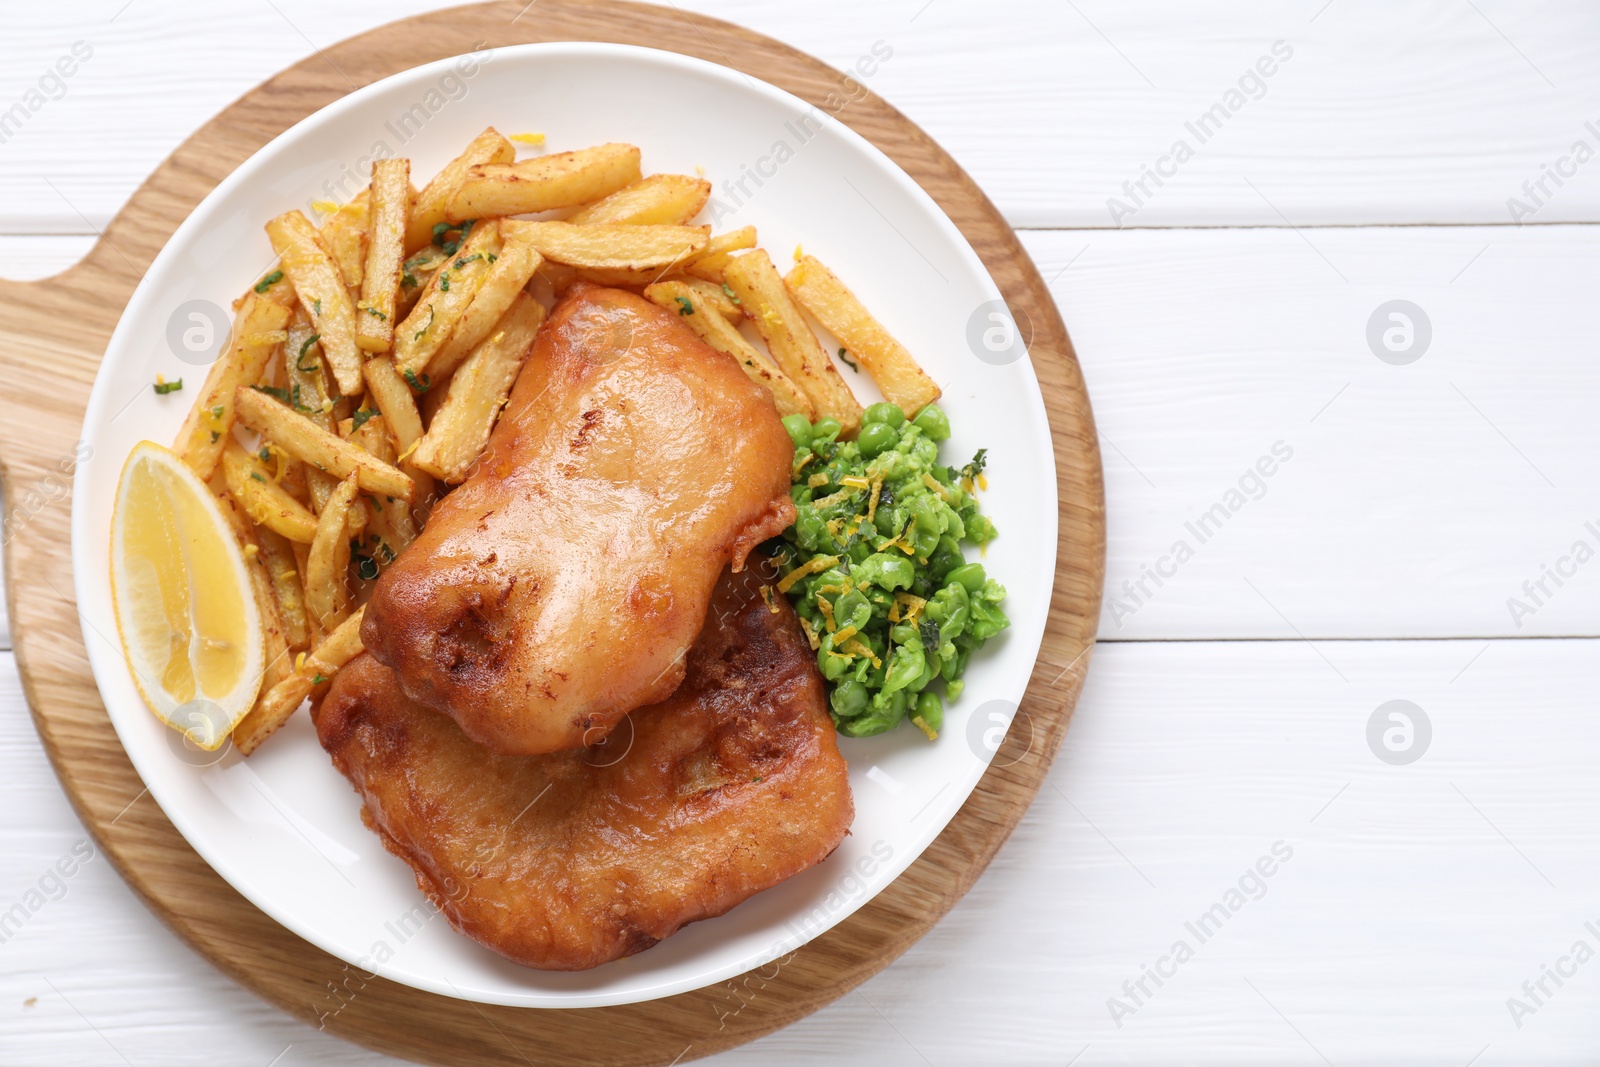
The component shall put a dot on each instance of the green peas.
(799, 428)
(912, 608)
(876, 437)
(969, 575)
(932, 421)
(849, 699)
(885, 571)
(884, 413)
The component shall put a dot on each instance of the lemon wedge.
(186, 613)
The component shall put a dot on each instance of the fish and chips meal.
(557, 510)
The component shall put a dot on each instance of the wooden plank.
(1435, 111)
(49, 370)
(1394, 933)
(1419, 498)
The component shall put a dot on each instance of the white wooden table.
(1395, 152)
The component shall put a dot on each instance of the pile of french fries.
(369, 366)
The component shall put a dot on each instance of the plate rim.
(264, 157)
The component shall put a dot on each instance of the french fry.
(506, 278)
(307, 441)
(279, 701)
(266, 502)
(209, 424)
(326, 565)
(344, 236)
(716, 331)
(386, 253)
(478, 390)
(447, 298)
(275, 664)
(794, 347)
(307, 381)
(713, 259)
(322, 292)
(566, 179)
(669, 199)
(277, 556)
(390, 517)
(429, 209)
(396, 401)
(611, 246)
(715, 295)
(819, 291)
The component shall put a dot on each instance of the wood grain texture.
(50, 372)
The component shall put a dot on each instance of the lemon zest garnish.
(817, 480)
(799, 252)
(527, 138)
(812, 566)
(917, 721)
(250, 551)
(300, 662)
(766, 595)
(933, 483)
(860, 648)
(413, 447)
(855, 481)
(811, 633)
(161, 379)
(271, 337)
(872, 501)
(844, 635)
(983, 482)
(286, 575)
(829, 501)
(827, 613)
(912, 606)
(900, 542)
(839, 655)
(966, 484)
(798, 467)
(324, 207)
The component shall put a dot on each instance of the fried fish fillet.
(572, 859)
(559, 587)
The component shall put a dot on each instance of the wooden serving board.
(52, 336)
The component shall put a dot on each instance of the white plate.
(283, 827)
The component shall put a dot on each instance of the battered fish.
(559, 587)
(570, 860)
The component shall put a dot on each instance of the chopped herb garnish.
(464, 260)
(257, 476)
(318, 679)
(928, 630)
(684, 307)
(359, 419)
(975, 468)
(418, 335)
(375, 313)
(273, 391)
(412, 380)
(269, 281)
(216, 412)
(728, 289)
(300, 360)
(265, 453)
(444, 284)
(163, 388)
(316, 307)
(408, 280)
(493, 257)
(214, 436)
(460, 230)
(847, 361)
(366, 568)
